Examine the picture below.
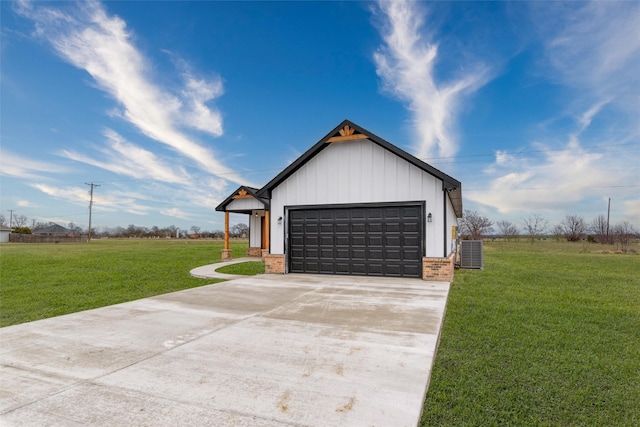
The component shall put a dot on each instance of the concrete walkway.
(268, 350)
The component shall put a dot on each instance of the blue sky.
(170, 106)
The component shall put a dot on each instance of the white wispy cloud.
(26, 204)
(89, 38)
(554, 181)
(124, 158)
(595, 47)
(102, 201)
(592, 49)
(27, 168)
(175, 213)
(406, 62)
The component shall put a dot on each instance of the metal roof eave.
(253, 191)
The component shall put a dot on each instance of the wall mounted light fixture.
(280, 220)
(429, 217)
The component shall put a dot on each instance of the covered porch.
(245, 201)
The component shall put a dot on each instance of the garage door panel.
(374, 227)
(342, 228)
(412, 270)
(359, 268)
(391, 227)
(342, 253)
(358, 227)
(327, 268)
(342, 240)
(374, 254)
(326, 253)
(392, 254)
(376, 241)
(297, 228)
(392, 240)
(394, 270)
(410, 227)
(326, 228)
(326, 240)
(410, 240)
(411, 212)
(360, 240)
(343, 268)
(357, 254)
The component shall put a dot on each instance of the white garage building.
(353, 204)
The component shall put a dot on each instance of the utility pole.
(92, 185)
(608, 214)
(11, 211)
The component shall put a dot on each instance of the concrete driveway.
(263, 351)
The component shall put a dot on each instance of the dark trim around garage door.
(376, 243)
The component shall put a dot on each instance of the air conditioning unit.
(471, 254)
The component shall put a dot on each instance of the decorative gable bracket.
(347, 133)
(243, 194)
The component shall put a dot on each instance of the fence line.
(42, 238)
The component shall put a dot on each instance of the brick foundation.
(273, 264)
(226, 255)
(438, 269)
(256, 252)
(264, 253)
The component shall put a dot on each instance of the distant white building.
(4, 234)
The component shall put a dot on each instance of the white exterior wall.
(359, 171)
(255, 229)
(244, 204)
(452, 220)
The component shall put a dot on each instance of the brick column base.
(265, 252)
(274, 264)
(226, 255)
(256, 252)
(438, 269)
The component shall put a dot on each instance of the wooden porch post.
(226, 252)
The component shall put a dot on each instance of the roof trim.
(448, 183)
(243, 188)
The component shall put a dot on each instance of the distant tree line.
(573, 228)
(18, 225)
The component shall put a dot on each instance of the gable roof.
(244, 190)
(52, 227)
(348, 130)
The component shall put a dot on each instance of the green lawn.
(547, 334)
(249, 268)
(45, 280)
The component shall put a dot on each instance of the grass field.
(249, 268)
(547, 334)
(44, 280)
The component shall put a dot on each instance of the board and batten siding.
(244, 204)
(359, 171)
(452, 220)
(255, 234)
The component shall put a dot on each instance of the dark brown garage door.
(367, 241)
